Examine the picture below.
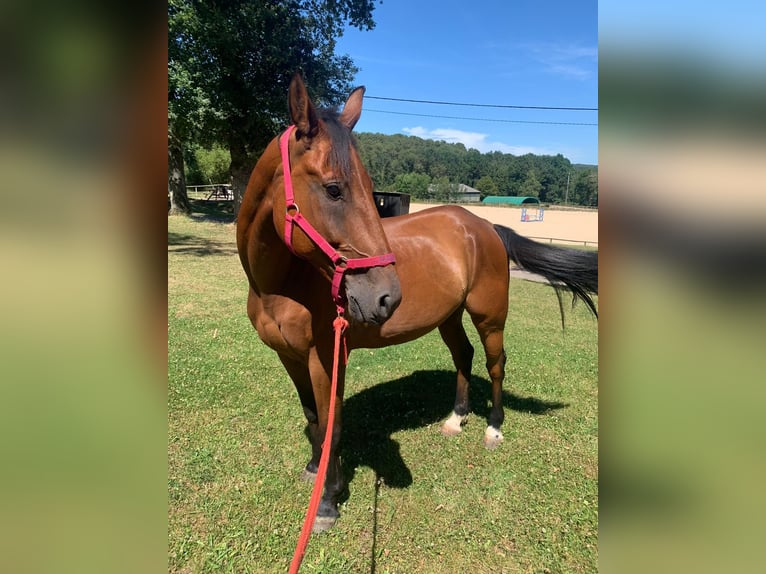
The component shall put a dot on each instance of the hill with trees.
(409, 164)
(425, 168)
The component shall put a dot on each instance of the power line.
(480, 119)
(571, 109)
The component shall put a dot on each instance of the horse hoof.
(452, 426)
(492, 438)
(323, 524)
(308, 476)
(449, 430)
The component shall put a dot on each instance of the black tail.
(575, 269)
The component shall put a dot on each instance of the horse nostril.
(384, 303)
(388, 303)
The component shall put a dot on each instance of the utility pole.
(566, 196)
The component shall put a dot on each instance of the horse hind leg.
(454, 336)
(492, 339)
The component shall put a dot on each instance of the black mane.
(341, 141)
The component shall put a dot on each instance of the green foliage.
(415, 184)
(206, 166)
(531, 186)
(390, 157)
(487, 186)
(230, 64)
(585, 189)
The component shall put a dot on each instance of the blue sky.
(526, 53)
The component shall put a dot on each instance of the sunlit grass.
(419, 502)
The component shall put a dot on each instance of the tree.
(414, 184)
(206, 166)
(179, 201)
(585, 188)
(387, 157)
(531, 186)
(487, 186)
(230, 63)
(186, 107)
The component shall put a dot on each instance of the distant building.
(462, 193)
(467, 194)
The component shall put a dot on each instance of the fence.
(212, 191)
(566, 241)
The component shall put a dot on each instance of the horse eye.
(333, 191)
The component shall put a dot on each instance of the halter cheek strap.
(293, 217)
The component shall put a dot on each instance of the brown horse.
(447, 261)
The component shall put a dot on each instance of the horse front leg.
(320, 366)
(299, 373)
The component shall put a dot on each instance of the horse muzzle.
(372, 296)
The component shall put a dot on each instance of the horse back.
(447, 232)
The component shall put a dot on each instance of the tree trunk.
(240, 169)
(179, 201)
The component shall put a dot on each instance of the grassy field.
(419, 502)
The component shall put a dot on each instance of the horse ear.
(353, 108)
(302, 112)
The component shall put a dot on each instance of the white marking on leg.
(322, 524)
(451, 426)
(492, 437)
(308, 476)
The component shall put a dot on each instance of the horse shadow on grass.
(372, 416)
(184, 243)
(212, 211)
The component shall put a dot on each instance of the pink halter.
(341, 263)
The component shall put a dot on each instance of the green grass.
(419, 502)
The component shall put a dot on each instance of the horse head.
(325, 190)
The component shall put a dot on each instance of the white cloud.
(576, 72)
(578, 62)
(474, 140)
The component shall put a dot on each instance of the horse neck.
(266, 259)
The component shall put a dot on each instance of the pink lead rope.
(339, 325)
(341, 263)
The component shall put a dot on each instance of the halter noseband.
(293, 216)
